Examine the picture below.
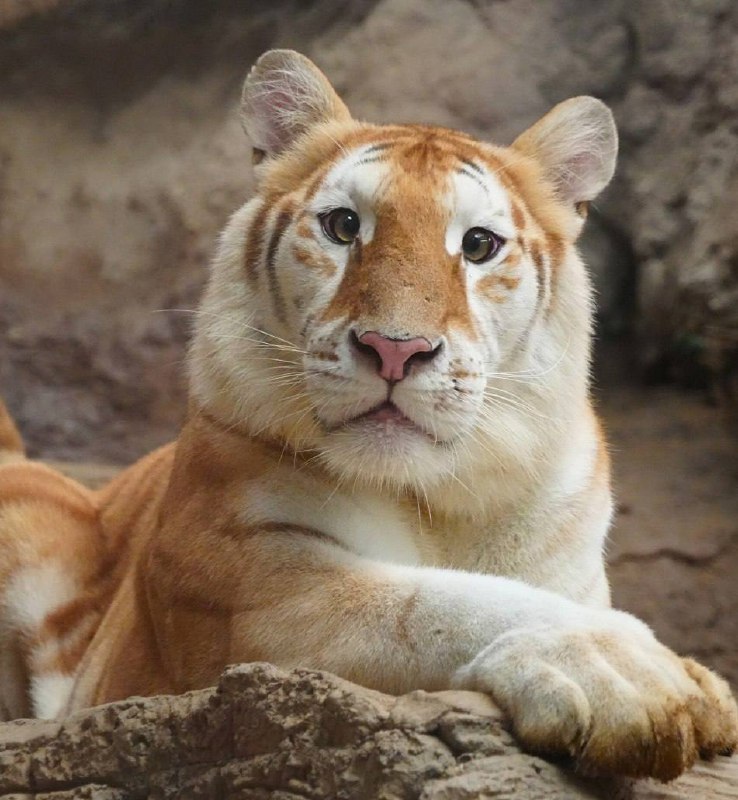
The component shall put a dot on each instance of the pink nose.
(394, 354)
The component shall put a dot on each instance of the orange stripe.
(304, 229)
(61, 621)
(556, 248)
(518, 216)
(68, 656)
(284, 218)
(316, 260)
(255, 243)
(538, 261)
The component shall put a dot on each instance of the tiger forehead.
(414, 169)
(432, 155)
(429, 154)
(425, 153)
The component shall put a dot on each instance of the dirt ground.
(674, 547)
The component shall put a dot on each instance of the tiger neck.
(497, 490)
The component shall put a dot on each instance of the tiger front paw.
(610, 697)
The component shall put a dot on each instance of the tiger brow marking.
(323, 171)
(316, 182)
(471, 165)
(378, 148)
(370, 160)
(475, 178)
(375, 153)
(280, 226)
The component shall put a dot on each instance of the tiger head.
(404, 302)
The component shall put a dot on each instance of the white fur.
(31, 595)
(35, 592)
(363, 521)
(283, 96)
(474, 205)
(577, 144)
(50, 693)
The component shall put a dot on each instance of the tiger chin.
(390, 468)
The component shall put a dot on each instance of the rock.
(14, 11)
(266, 733)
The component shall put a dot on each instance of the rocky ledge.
(266, 733)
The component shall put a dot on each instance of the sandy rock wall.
(264, 733)
(121, 157)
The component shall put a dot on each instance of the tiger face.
(404, 302)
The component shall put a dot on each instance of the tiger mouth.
(388, 418)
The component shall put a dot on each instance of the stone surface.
(121, 157)
(265, 733)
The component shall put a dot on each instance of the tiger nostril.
(366, 349)
(427, 355)
(393, 357)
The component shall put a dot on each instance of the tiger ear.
(576, 144)
(284, 96)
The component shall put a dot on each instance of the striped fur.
(455, 540)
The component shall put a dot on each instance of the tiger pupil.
(477, 244)
(348, 226)
(342, 225)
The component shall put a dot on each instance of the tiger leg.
(51, 568)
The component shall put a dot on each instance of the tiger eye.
(341, 225)
(479, 245)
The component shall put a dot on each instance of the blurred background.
(121, 156)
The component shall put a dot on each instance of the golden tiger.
(390, 468)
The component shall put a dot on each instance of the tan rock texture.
(265, 733)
